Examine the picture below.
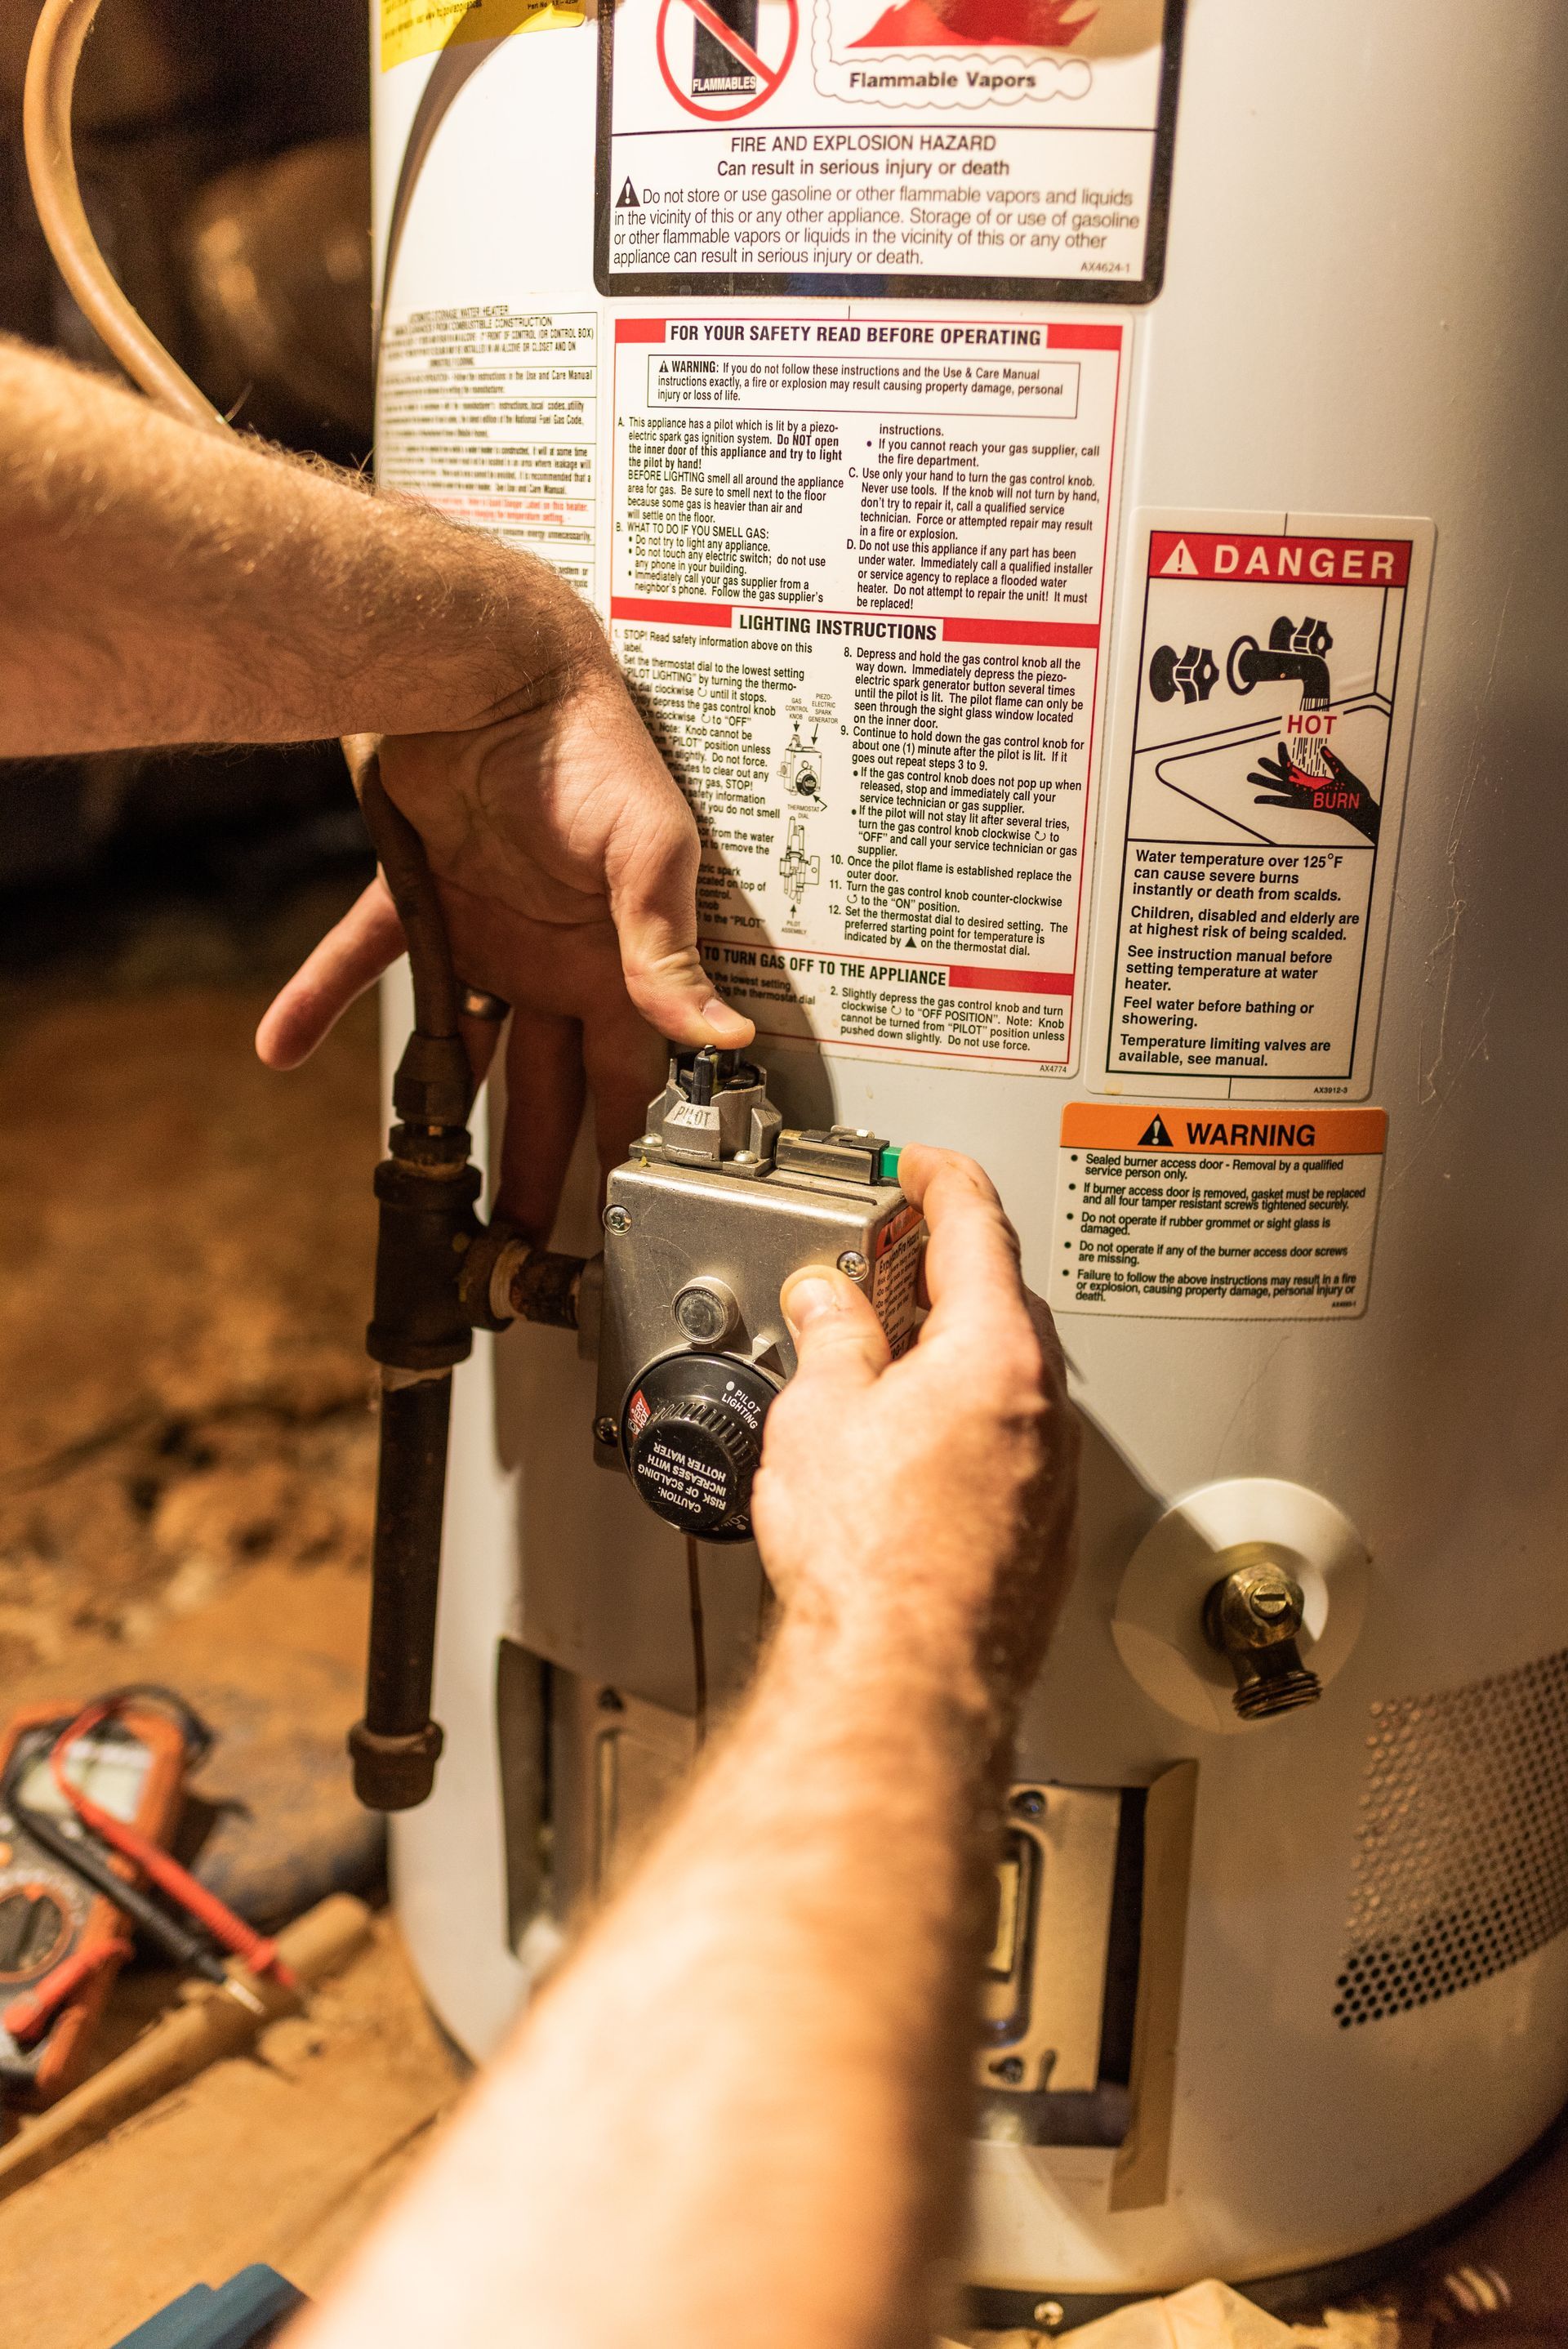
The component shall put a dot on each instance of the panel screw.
(1049, 2313)
(852, 1263)
(605, 1430)
(1009, 2069)
(616, 1219)
(1031, 1804)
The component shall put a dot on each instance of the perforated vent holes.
(1462, 1861)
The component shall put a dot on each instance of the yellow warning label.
(1265, 1133)
(1216, 1215)
(414, 28)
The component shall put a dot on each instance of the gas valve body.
(717, 1205)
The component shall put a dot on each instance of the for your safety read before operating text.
(859, 584)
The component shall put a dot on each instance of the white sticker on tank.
(1216, 1215)
(997, 150)
(1258, 765)
(490, 413)
(860, 579)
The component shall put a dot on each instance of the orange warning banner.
(1257, 1132)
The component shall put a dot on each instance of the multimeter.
(132, 1765)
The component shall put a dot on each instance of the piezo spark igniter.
(717, 1204)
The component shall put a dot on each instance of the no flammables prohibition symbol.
(757, 79)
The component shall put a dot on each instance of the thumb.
(653, 901)
(838, 1338)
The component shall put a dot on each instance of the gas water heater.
(1076, 486)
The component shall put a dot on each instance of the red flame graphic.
(980, 24)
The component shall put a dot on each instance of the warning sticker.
(491, 414)
(1216, 1215)
(994, 148)
(417, 28)
(897, 1252)
(859, 581)
(1260, 757)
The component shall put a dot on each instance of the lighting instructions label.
(859, 582)
(996, 148)
(1262, 738)
(1216, 1215)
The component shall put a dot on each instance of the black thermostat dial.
(691, 1430)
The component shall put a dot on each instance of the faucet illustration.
(1291, 652)
(1297, 652)
(1193, 673)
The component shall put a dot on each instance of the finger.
(351, 958)
(654, 904)
(839, 1341)
(972, 1255)
(544, 1089)
(1275, 801)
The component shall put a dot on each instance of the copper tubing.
(52, 62)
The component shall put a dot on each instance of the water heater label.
(1266, 1213)
(1261, 744)
(997, 149)
(490, 412)
(858, 581)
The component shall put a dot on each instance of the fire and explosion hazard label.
(859, 581)
(994, 148)
(1216, 1215)
(1262, 742)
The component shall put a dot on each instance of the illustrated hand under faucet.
(1339, 793)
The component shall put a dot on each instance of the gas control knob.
(692, 1436)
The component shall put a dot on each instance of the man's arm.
(737, 2116)
(164, 585)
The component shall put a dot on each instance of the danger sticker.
(1224, 1215)
(859, 584)
(994, 149)
(1263, 740)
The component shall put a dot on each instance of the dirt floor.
(186, 1243)
(187, 1454)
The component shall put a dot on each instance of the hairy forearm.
(739, 2115)
(162, 585)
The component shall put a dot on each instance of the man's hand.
(927, 1500)
(760, 2057)
(567, 860)
(168, 585)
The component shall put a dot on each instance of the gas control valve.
(717, 1204)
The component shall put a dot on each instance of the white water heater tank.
(1076, 487)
